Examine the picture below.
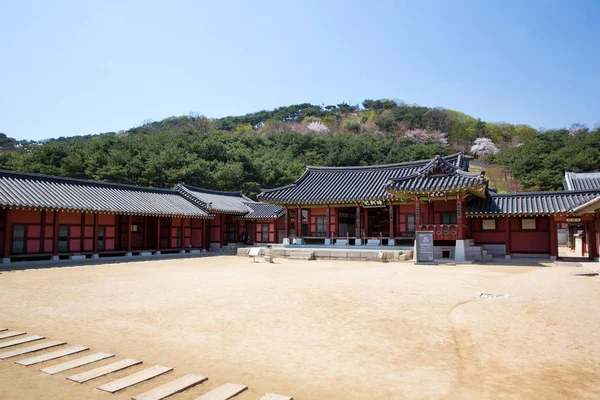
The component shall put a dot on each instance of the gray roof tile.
(582, 181)
(216, 200)
(437, 175)
(19, 189)
(263, 211)
(348, 184)
(532, 203)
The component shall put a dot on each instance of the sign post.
(424, 249)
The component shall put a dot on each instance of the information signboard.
(425, 247)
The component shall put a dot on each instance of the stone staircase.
(302, 255)
(230, 248)
(486, 252)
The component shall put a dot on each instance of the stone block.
(145, 254)
(341, 242)
(353, 254)
(77, 257)
(321, 253)
(196, 251)
(369, 255)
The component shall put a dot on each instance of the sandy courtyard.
(314, 330)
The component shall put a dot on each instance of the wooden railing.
(441, 231)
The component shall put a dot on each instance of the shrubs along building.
(384, 205)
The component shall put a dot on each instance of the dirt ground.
(314, 330)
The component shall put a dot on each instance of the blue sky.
(72, 67)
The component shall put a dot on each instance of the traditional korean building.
(235, 216)
(384, 205)
(387, 204)
(53, 217)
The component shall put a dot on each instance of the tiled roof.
(582, 181)
(438, 175)
(18, 189)
(215, 200)
(320, 185)
(263, 211)
(229, 203)
(533, 203)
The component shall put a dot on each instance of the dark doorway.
(347, 221)
(378, 222)
(577, 241)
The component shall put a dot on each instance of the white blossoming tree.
(317, 127)
(483, 147)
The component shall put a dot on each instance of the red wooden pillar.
(286, 227)
(55, 234)
(205, 238)
(43, 232)
(82, 233)
(507, 236)
(170, 235)
(327, 222)
(129, 233)
(145, 233)
(366, 221)
(391, 217)
(96, 233)
(417, 214)
(553, 238)
(158, 233)
(7, 233)
(182, 244)
(358, 225)
(299, 222)
(118, 232)
(460, 234)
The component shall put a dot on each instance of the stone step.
(495, 249)
(302, 255)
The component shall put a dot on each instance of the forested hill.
(271, 148)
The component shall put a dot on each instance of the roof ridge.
(548, 192)
(185, 193)
(236, 193)
(66, 179)
(381, 166)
